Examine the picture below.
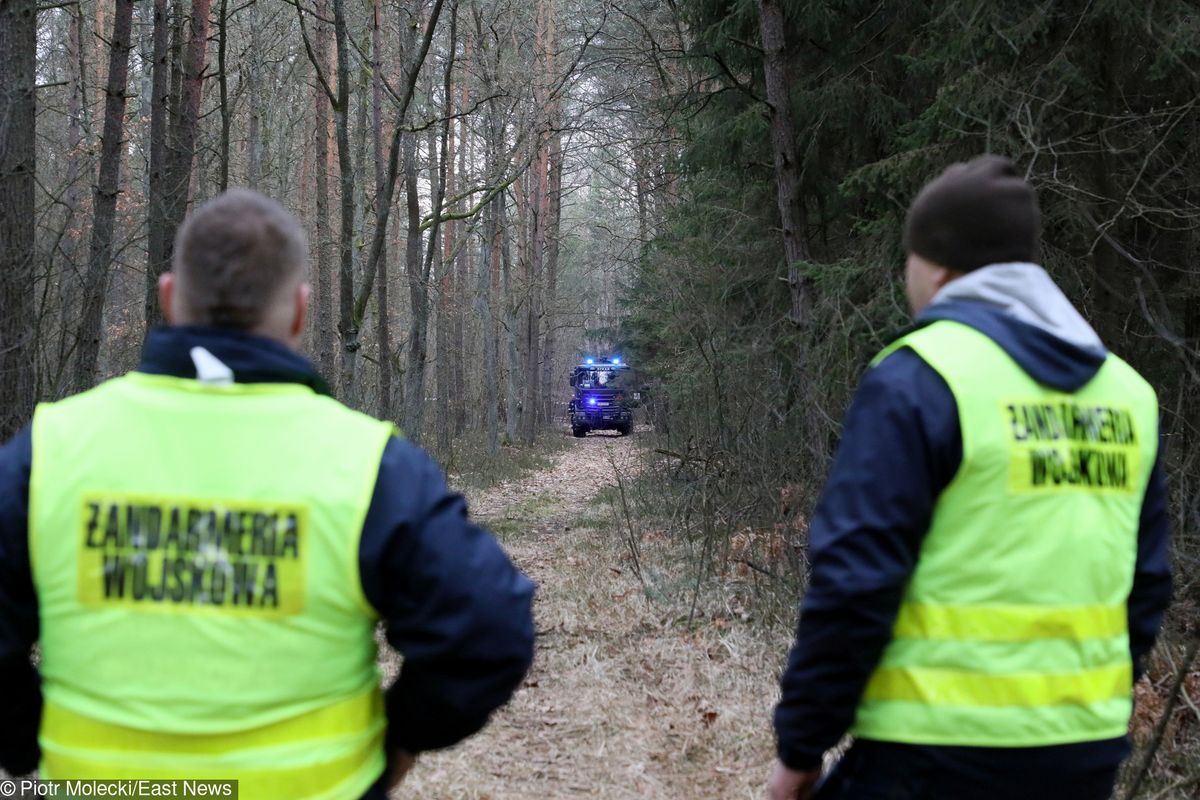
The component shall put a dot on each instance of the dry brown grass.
(624, 699)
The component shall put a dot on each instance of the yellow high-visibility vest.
(1013, 629)
(195, 556)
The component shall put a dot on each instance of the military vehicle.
(603, 397)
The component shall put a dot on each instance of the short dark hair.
(233, 256)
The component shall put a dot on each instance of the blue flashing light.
(590, 361)
(616, 361)
(591, 401)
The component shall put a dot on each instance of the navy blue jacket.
(901, 445)
(452, 602)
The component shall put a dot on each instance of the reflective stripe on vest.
(349, 733)
(1013, 628)
(195, 554)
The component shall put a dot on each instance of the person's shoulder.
(80, 402)
(1134, 380)
(97, 392)
(900, 360)
(900, 369)
(902, 380)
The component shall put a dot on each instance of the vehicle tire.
(578, 431)
(625, 429)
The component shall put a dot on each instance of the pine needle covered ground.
(625, 699)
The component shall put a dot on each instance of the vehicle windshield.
(602, 377)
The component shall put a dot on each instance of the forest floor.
(627, 697)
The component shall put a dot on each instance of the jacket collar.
(250, 358)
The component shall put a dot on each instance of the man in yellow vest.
(989, 554)
(203, 547)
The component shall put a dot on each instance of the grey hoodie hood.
(1027, 293)
(1020, 308)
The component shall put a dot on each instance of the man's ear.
(944, 275)
(166, 294)
(301, 300)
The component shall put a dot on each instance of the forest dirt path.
(623, 701)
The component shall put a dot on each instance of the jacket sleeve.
(20, 687)
(1151, 592)
(452, 602)
(900, 447)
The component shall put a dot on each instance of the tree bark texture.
(95, 286)
(157, 244)
(444, 267)
(461, 264)
(489, 262)
(181, 150)
(223, 83)
(18, 48)
(418, 295)
(433, 255)
(347, 328)
(68, 286)
(325, 343)
(553, 218)
(382, 316)
(787, 166)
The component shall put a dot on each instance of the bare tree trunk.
(787, 167)
(418, 294)
(95, 287)
(491, 257)
(347, 328)
(526, 330)
(418, 284)
(254, 101)
(326, 362)
(432, 251)
(80, 113)
(489, 262)
(178, 15)
(461, 268)
(443, 372)
(99, 25)
(180, 150)
(536, 209)
(69, 276)
(157, 244)
(553, 209)
(382, 321)
(532, 348)
(18, 48)
(223, 82)
(444, 267)
(419, 277)
(553, 217)
(512, 403)
(362, 130)
(493, 331)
